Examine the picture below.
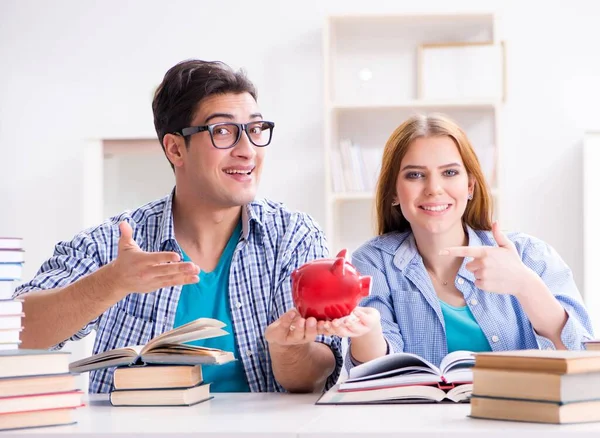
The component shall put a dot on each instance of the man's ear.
(174, 149)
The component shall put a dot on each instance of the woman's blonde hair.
(478, 214)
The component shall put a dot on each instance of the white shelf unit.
(371, 87)
(591, 232)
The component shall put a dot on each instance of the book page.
(334, 396)
(202, 328)
(392, 364)
(457, 359)
(460, 392)
(116, 357)
(409, 379)
(457, 367)
(182, 354)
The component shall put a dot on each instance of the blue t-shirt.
(209, 298)
(462, 330)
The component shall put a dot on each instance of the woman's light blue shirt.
(411, 314)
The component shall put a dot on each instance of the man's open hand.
(135, 270)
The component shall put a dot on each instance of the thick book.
(41, 418)
(535, 411)
(548, 361)
(592, 345)
(12, 256)
(398, 394)
(23, 362)
(7, 287)
(42, 384)
(11, 322)
(11, 271)
(168, 348)
(161, 397)
(157, 376)
(11, 243)
(535, 385)
(404, 369)
(10, 336)
(35, 402)
(11, 307)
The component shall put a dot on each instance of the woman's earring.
(395, 203)
(470, 197)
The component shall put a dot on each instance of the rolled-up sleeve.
(547, 263)
(70, 262)
(367, 260)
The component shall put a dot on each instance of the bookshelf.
(373, 77)
(119, 174)
(591, 233)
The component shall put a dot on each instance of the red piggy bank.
(328, 288)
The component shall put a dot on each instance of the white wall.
(75, 70)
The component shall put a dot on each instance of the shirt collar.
(406, 251)
(165, 239)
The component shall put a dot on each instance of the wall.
(74, 71)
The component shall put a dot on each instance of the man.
(207, 250)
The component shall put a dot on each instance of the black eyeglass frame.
(242, 127)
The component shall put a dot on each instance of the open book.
(397, 394)
(406, 378)
(167, 348)
(403, 369)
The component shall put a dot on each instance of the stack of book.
(164, 372)
(12, 258)
(156, 385)
(593, 345)
(36, 389)
(544, 386)
(405, 378)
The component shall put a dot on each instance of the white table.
(289, 415)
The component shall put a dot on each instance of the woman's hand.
(361, 321)
(496, 269)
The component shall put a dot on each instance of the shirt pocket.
(413, 315)
(140, 305)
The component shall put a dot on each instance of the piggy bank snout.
(365, 286)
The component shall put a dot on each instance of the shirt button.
(461, 281)
(474, 302)
(248, 353)
(238, 305)
(495, 338)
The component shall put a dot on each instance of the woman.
(444, 278)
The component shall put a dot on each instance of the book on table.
(157, 376)
(398, 394)
(402, 369)
(40, 418)
(169, 348)
(161, 397)
(536, 411)
(24, 362)
(7, 288)
(550, 361)
(546, 386)
(406, 377)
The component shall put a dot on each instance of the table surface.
(296, 415)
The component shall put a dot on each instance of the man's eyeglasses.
(226, 135)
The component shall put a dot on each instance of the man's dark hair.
(185, 85)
